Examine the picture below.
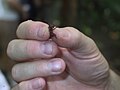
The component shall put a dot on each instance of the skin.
(70, 61)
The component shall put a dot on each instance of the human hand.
(69, 61)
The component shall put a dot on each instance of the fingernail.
(48, 48)
(55, 66)
(36, 84)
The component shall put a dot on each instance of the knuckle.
(32, 49)
(20, 26)
(24, 25)
(41, 69)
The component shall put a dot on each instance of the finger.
(34, 84)
(29, 49)
(74, 40)
(41, 68)
(33, 30)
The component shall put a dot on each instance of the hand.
(69, 61)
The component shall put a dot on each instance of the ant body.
(51, 28)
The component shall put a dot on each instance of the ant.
(51, 28)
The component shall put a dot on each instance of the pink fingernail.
(48, 48)
(55, 66)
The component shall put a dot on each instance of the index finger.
(33, 30)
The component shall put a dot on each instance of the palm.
(62, 82)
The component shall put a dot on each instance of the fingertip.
(67, 37)
(62, 33)
(56, 66)
(63, 64)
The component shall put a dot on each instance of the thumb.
(83, 58)
(74, 40)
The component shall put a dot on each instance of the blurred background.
(99, 19)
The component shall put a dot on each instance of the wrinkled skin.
(70, 61)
